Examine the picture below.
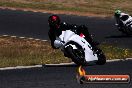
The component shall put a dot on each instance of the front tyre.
(126, 30)
(77, 55)
(129, 31)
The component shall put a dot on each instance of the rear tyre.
(101, 57)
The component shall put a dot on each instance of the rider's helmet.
(117, 13)
(54, 21)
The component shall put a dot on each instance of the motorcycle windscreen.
(68, 34)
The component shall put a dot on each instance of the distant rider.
(120, 17)
(56, 28)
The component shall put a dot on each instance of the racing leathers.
(119, 20)
(56, 32)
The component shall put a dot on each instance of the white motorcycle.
(79, 50)
(126, 26)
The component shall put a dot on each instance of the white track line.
(119, 60)
(37, 39)
(13, 36)
(5, 35)
(72, 63)
(31, 38)
(23, 38)
(61, 64)
(21, 67)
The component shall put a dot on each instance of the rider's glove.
(116, 24)
(58, 43)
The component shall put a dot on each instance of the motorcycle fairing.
(127, 21)
(71, 36)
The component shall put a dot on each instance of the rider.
(56, 28)
(120, 16)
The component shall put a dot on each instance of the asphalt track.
(35, 25)
(62, 77)
(31, 24)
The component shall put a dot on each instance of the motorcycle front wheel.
(77, 55)
(127, 31)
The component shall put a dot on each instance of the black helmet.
(54, 21)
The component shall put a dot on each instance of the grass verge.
(15, 51)
(102, 7)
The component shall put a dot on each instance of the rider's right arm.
(52, 38)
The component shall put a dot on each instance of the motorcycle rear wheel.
(101, 58)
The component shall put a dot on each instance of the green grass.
(99, 7)
(114, 52)
(15, 51)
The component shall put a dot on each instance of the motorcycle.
(126, 24)
(79, 50)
